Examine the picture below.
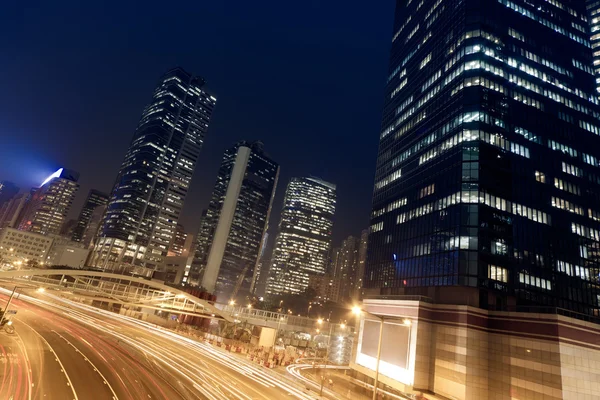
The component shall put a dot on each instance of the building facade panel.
(487, 173)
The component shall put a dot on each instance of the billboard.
(395, 360)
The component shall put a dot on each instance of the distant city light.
(54, 175)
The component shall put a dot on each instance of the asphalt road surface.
(64, 350)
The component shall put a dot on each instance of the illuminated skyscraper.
(304, 237)
(47, 209)
(94, 200)
(153, 181)
(231, 234)
(487, 184)
(176, 249)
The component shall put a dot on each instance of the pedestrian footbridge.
(122, 289)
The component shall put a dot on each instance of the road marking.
(63, 370)
(115, 397)
(28, 367)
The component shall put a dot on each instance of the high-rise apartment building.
(487, 185)
(94, 200)
(231, 234)
(304, 238)
(153, 181)
(47, 208)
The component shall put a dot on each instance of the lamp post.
(7, 305)
(358, 311)
(277, 333)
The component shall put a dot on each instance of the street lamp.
(407, 322)
(232, 303)
(8, 305)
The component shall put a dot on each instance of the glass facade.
(233, 231)
(487, 182)
(95, 199)
(303, 243)
(47, 208)
(178, 242)
(152, 184)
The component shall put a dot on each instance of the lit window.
(425, 61)
(540, 177)
(499, 248)
(427, 190)
(497, 273)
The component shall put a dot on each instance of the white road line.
(91, 363)
(29, 378)
(62, 367)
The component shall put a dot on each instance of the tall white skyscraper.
(232, 232)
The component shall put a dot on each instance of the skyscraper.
(12, 210)
(153, 181)
(178, 242)
(90, 234)
(94, 200)
(304, 237)
(8, 190)
(487, 182)
(360, 269)
(346, 267)
(232, 232)
(47, 209)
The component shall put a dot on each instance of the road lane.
(138, 360)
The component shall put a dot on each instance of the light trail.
(203, 377)
(27, 366)
(64, 371)
(115, 397)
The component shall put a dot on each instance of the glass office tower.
(154, 179)
(94, 200)
(233, 230)
(304, 239)
(487, 183)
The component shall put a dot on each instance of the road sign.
(11, 311)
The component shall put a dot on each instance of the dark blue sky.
(304, 77)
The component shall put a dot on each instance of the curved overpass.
(123, 289)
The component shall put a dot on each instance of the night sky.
(305, 77)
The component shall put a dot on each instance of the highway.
(67, 350)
